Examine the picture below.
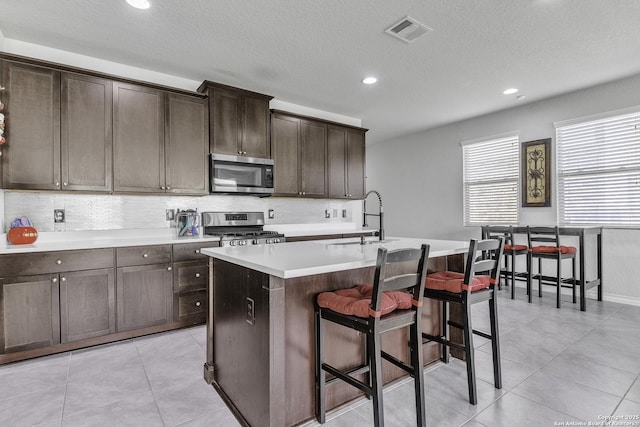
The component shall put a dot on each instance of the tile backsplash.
(104, 212)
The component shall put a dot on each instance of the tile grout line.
(146, 376)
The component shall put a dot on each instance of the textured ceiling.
(315, 53)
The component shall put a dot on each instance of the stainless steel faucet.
(380, 213)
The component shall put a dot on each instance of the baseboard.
(591, 294)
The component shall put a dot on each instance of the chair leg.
(320, 375)
(529, 276)
(495, 342)
(513, 279)
(469, 352)
(573, 274)
(367, 345)
(559, 281)
(376, 379)
(539, 277)
(415, 340)
(445, 331)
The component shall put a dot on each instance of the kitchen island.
(260, 332)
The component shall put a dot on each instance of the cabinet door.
(144, 296)
(255, 126)
(313, 153)
(285, 136)
(355, 164)
(337, 162)
(86, 133)
(32, 152)
(187, 144)
(138, 139)
(87, 304)
(29, 312)
(225, 122)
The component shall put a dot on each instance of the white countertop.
(297, 259)
(70, 240)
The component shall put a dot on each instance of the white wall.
(420, 175)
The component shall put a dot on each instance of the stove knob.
(232, 243)
(268, 241)
(255, 241)
(242, 242)
(277, 240)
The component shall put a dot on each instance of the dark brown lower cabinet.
(190, 291)
(87, 304)
(29, 312)
(144, 296)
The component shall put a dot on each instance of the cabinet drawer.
(191, 251)
(190, 276)
(55, 262)
(190, 305)
(143, 255)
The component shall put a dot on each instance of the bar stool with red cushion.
(511, 251)
(553, 250)
(469, 288)
(394, 301)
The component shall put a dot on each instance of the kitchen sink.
(366, 242)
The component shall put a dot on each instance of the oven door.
(246, 175)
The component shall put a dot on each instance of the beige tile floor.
(558, 366)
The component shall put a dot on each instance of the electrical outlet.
(169, 215)
(271, 214)
(344, 213)
(335, 213)
(327, 214)
(251, 314)
(58, 215)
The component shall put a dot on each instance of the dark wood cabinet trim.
(316, 119)
(78, 70)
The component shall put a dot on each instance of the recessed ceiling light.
(369, 80)
(510, 91)
(139, 4)
(520, 97)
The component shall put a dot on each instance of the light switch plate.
(251, 314)
(271, 214)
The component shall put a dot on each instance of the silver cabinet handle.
(197, 251)
(63, 279)
(162, 187)
(168, 188)
(197, 303)
(145, 255)
(197, 274)
(169, 269)
(54, 280)
(64, 184)
(59, 261)
(57, 183)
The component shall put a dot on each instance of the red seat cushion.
(554, 249)
(452, 282)
(515, 247)
(356, 301)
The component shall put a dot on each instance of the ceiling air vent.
(408, 29)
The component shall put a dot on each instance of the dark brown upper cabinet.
(238, 121)
(138, 139)
(86, 133)
(186, 144)
(31, 155)
(346, 162)
(299, 154)
(59, 128)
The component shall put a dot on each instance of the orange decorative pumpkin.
(22, 235)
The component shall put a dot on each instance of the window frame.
(608, 146)
(476, 178)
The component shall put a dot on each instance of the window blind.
(490, 180)
(598, 171)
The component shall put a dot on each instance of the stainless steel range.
(239, 228)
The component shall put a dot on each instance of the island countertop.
(298, 259)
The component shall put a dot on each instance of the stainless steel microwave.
(241, 175)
